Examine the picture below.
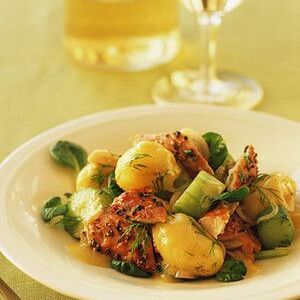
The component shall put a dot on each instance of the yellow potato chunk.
(186, 248)
(276, 189)
(147, 164)
(103, 158)
(86, 177)
(94, 175)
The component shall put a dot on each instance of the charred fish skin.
(123, 231)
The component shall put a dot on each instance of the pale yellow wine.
(121, 34)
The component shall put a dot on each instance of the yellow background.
(40, 88)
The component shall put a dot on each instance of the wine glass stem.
(208, 25)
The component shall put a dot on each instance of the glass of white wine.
(205, 85)
(121, 35)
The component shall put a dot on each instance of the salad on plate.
(176, 204)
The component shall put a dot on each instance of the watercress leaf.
(70, 224)
(113, 186)
(234, 196)
(232, 270)
(128, 268)
(53, 208)
(228, 276)
(69, 154)
(217, 148)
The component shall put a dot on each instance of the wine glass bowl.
(206, 85)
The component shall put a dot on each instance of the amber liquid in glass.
(121, 34)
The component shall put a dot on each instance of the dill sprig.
(159, 185)
(142, 235)
(262, 190)
(136, 165)
(98, 177)
(212, 248)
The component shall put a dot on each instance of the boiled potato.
(288, 189)
(276, 189)
(186, 248)
(147, 164)
(94, 175)
(86, 177)
(103, 158)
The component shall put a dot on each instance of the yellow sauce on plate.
(88, 256)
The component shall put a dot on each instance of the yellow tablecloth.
(40, 88)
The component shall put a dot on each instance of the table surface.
(40, 87)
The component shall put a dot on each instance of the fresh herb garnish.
(217, 148)
(159, 185)
(189, 153)
(136, 165)
(113, 186)
(129, 269)
(262, 190)
(234, 196)
(69, 154)
(70, 224)
(232, 270)
(53, 208)
(212, 248)
(141, 234)
(98, 178)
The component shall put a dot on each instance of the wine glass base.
(187, 87)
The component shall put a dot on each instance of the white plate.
(28, 177)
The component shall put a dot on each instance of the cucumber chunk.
(278, 231)
(266, 254)
(199, 196)
(88, 203)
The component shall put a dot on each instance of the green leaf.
(234, 196)
(128, 268)
(217, 148)
(52, 209)
(113, 186)
(70, 224)
(55, 208)
(69, 154)
(232, 270)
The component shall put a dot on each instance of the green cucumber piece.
(87, 203)
(199, 196)
(278, 231)
(266, 254)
